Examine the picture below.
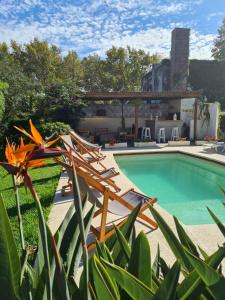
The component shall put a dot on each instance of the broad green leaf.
(74, 254)
(133, 286)
(171, 239)
(126, 229)
(167, 289)
(213, 280)
(164, 268)
(10, 269)
(140, 260)
(105, 289)
(217, 221)
(203, 253)
(68, 229)
(156, 264)
(124, 244)
(192, 286)
(109, 256)
(60, 287)
(184, 238)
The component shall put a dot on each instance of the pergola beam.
(167, 95)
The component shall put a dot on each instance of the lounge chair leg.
(104, 215)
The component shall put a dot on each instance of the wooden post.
(104, 215)
(136, 106)
(195, 118)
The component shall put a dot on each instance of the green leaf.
(140, 260)
(184, 238)
(203, 253)
(192, 286)
(126, 229)
(67, 229)
(133, 286)
(164, 268)
(213, 280)
(167, 289)
(171, 239)
(75, 250)
(10, 269)
(124, 244)
(60, 288)
(105, 289)
(217, 221)
(156, 264)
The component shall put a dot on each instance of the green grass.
(45, 181)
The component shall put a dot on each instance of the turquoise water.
(184, 185)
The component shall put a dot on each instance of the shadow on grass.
(44, 180)
(25, 207)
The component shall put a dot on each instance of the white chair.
(175, 133)
(146, 133)
(162, 135)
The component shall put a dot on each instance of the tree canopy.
(42, 83)
(218, 52)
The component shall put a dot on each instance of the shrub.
(54, 127)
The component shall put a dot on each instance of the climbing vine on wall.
(208, 75)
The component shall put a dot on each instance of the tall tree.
(218, 52)
(3, 87)
(93, 67)
(72, 69)
(42, 62)
(124, 68)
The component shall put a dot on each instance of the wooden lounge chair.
(102, 176)
(70, 147)
(85, 146)
(120, 205)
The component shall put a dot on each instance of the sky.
(93, 26)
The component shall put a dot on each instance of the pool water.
(184, 185)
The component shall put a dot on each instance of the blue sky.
(93, 26)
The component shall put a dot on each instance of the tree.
(41, 61)
(94, 73)
(218, 52)
(3, 87)
(124, 68)
(18, 100)
(72, 68)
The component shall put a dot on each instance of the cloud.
(96, 25)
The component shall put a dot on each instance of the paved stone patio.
(206, 236)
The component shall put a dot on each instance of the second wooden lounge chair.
(102, 176)
(70, 147)
(85, 146)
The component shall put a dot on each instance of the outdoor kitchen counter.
(167, 124)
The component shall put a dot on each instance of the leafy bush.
(58, 128)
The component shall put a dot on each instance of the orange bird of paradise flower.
(18, 158)
(36, 137)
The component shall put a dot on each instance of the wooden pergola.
(165, 96)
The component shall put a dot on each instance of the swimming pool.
(184, 185)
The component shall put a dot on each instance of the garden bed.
(144, 144)
(116, 145)
(178, 143)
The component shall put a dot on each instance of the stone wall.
(115, 110)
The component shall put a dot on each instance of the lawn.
(45, 180)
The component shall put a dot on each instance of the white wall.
(207, 130)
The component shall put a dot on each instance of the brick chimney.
(179, 57)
